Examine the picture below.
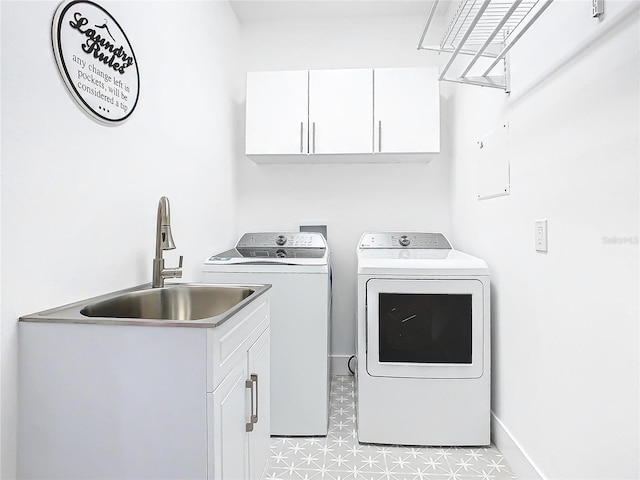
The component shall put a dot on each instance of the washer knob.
(280, 253)
(281, 240)
(404, 241)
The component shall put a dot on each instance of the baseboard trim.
(339, 365)
(520, 463)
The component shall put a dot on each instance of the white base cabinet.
(237, 439)
(145, 402)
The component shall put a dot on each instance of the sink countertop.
(70, 313)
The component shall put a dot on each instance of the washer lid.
(263, 257)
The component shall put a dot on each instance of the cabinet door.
(407, 110)
(259, 438)
(227, 432)
(277, 112)
(340, 111)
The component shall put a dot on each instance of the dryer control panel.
(404, 240)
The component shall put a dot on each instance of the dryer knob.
(404, 241)
(281, 240)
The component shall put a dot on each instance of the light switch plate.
(541, 235)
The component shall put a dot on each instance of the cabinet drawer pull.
(249, 384)
(314, 137)
(380, 136)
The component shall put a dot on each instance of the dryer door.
(425, 328)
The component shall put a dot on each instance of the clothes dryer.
(423, 373)
(297, 265)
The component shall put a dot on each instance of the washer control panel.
(290, 240)
(404, 240)
(282, 245)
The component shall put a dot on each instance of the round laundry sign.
(95, 60)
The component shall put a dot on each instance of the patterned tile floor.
(339, 456)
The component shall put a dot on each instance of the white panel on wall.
(492, 174)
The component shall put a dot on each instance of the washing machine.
(423, 373)
(298, 266)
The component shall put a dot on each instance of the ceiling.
(269, 10)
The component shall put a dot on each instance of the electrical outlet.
(541, 235)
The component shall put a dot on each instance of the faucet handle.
(177, 272)
(173, 272)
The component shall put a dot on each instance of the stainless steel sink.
(178, 302)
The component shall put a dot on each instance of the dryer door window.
(425, 328)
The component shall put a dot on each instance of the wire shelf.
(491, 18)
(485, 28)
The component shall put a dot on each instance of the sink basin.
(177, 302)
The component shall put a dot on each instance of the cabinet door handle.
(254, 417)
(254, 377)
(380, 136)
(314, 137)
(301, 137)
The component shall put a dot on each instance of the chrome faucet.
(164, 241)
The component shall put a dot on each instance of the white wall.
(565, 323)
(351, 198)
(79, 199)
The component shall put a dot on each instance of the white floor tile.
(339, 456)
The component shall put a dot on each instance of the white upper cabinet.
(340, 111)
(407, 110)
(359, 115)
(277, 113)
